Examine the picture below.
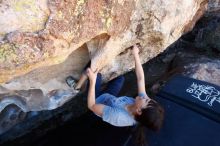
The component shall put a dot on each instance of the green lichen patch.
(108, 22)
(7, 52)
(79, 7)
(22, 5)
(26, 15)
(106, 19)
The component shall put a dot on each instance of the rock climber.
(120, 111)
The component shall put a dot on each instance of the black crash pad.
(184, 127)
(199, 96)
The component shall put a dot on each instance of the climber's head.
(149, 112)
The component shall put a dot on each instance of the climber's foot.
(71, 82)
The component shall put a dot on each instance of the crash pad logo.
(204, 93)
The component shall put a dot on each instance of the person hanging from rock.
(121, 111)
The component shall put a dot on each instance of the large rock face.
(43, 42)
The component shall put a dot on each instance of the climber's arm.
(139, 71)
(96, 108)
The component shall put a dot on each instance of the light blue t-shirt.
(114, 111)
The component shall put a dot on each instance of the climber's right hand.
(135, 50)
(92, 75)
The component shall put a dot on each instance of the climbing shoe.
(71, 82)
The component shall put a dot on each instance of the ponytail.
(139, 135)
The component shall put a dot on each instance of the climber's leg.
(97, 85)
(81, 81)
(114, 86)
(78, 84)
(83, 77)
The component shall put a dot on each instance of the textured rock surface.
(22, 15)
(12, 115)
(198, 67)
(35, 49)
(208, 37)
(214, 6)
(208, 71)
